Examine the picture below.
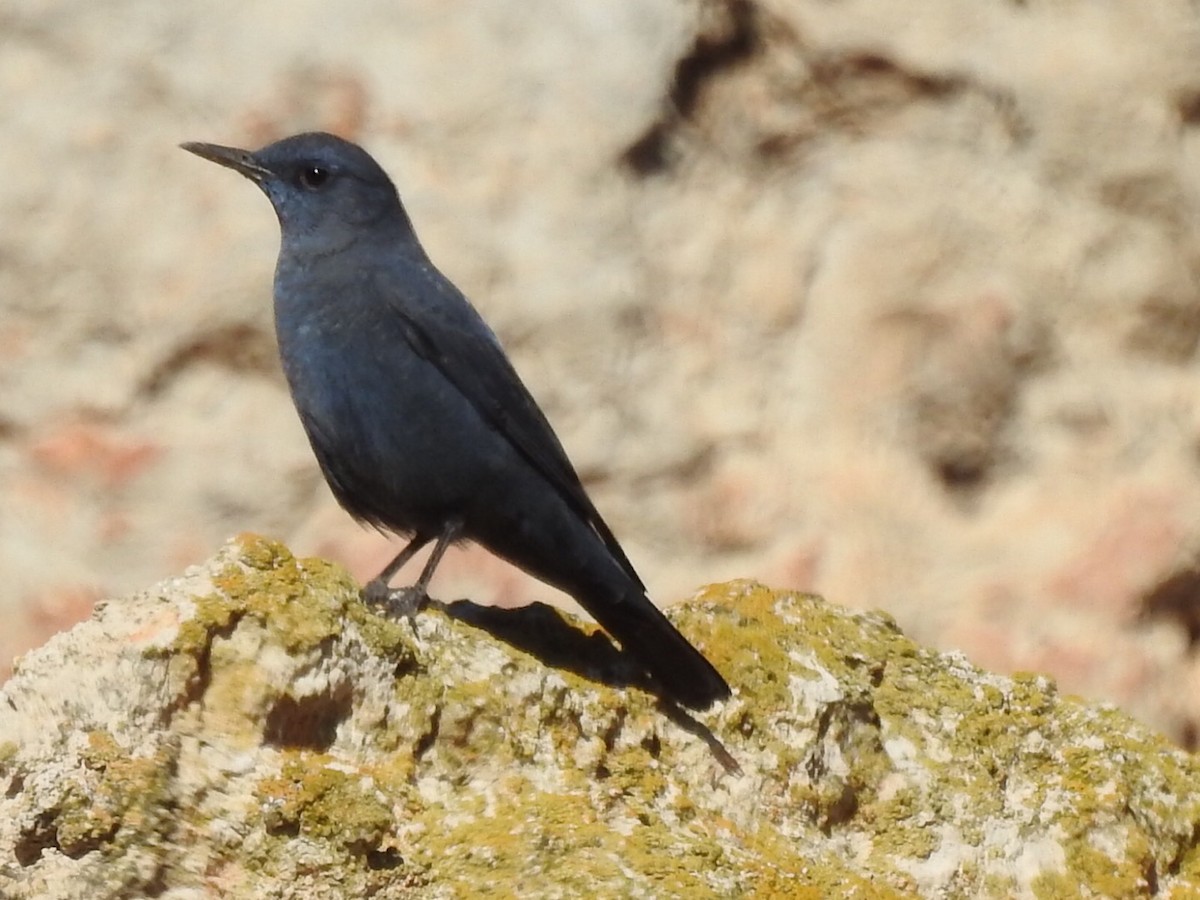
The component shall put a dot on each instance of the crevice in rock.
(467, 727)
(843, 67)
(1167, 329)
(712, 52)
(383, 860)
(309, 722)
(15, 785)
(9, 429)
(159, 882)
(652, 744)
(426, 741)
(239, 347)
(40, 836)
(846, 91)
(609, 739)
(1188, 105)
(1189, 736)
(197, 686)
(1177, 597)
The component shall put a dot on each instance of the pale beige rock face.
(898, 306)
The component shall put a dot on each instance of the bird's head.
(323, 188)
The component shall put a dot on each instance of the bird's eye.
(313, 177)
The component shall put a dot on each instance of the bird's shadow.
(543, 633)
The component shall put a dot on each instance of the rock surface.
(252, 730)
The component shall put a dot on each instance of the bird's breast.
(389, 429)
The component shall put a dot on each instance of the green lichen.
(121, 801)
(541, 844)
(384, 636)
(302, 605)
(769, 866)
(312, 797)
(971, 732)
(304, 601)
(8, 753)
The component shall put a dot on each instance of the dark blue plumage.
(419, 422)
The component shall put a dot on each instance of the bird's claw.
(403, 602)
(376, 593)
(407, 602)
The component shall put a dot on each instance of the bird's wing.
(445, 329)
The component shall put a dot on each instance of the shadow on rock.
(545, 634)
(542, 632)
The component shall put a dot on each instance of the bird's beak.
(231, 157)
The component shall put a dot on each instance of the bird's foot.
(403, 602)
(407, 602)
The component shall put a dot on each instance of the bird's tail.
(650, 638)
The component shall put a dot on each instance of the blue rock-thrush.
(418, 420)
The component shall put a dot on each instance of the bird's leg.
(407, 601)
(448, 536)
(376, 591)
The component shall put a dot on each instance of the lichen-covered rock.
(252, 730)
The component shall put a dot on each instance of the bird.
(419, 422)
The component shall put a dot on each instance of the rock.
(252, 730)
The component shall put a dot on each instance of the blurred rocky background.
(895, 302)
